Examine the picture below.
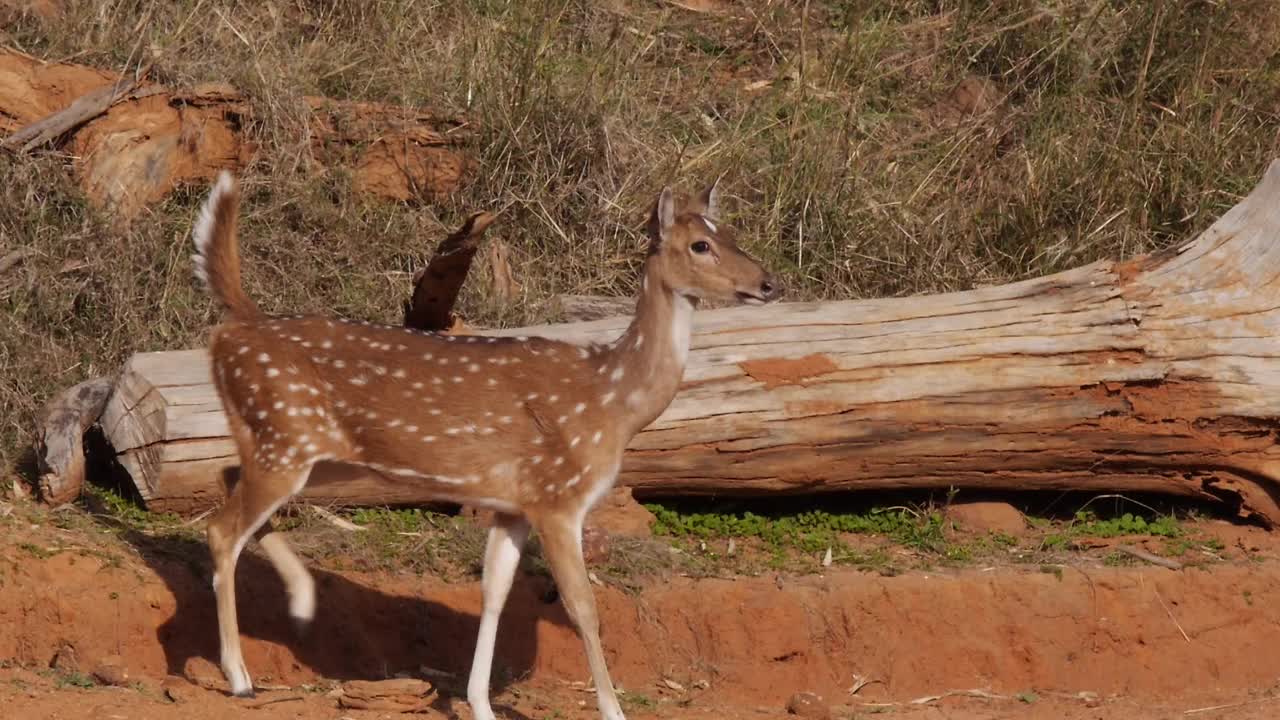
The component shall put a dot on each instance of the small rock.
(620, 514)
(65, 661)
(405, 695)
(111, 670)
(974, 95)
(177, 690)
(203, 673)
(809, 705)
(989, 516)
(595, 545)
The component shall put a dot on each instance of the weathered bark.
(1156, 374)
(578, 308)
(436, 287)
(60, 440)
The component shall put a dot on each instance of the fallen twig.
(13, 258)
(334, 520)
(1170, 614)
(1230, 706)
(84, 109)
(272, 701)
(861, 681)
(929, 699)
(1150, 557)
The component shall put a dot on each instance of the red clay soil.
(1089, 642)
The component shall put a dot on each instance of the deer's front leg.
(561, 536)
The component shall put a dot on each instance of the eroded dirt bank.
(1129, 635)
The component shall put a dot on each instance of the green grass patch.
(809, 531)
(1087, 523)
(74, 680)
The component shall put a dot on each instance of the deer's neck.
(647, 362)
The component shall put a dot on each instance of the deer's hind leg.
(501, 557)
(298, 582)
(259, 492)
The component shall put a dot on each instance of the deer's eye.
(701, 247)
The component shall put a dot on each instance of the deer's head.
(698, 257)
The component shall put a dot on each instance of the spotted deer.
(531, 428)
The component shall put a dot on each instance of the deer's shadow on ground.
(358, 633)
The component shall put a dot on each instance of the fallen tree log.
(1159, 374)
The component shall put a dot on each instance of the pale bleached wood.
(577, 308)
(59, 441)
(1155, 374)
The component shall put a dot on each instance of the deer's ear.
(663, 217)
(709, 199)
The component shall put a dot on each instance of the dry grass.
(1084, 129)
